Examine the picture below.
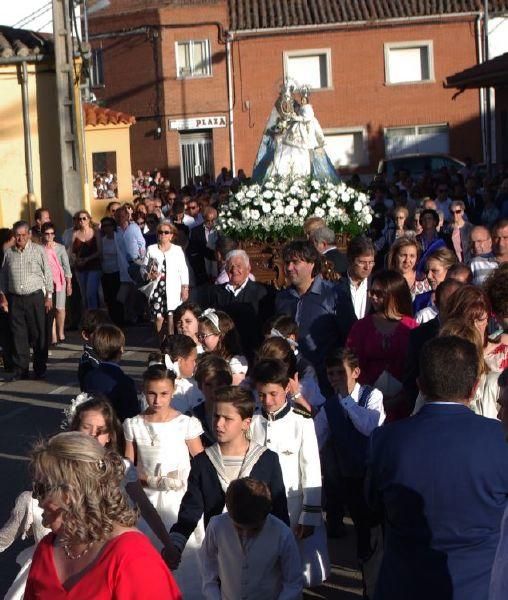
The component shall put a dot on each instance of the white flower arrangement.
(70, 410)
(277, 209)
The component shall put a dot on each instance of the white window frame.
(97, 68)
(209, 53)
(353, 130)
(429, 44)
(288, 54)
(416, 128)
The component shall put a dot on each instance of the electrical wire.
(33, 15)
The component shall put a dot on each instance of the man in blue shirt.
(320, 308)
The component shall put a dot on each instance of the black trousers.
(110, 287)
(28, 321)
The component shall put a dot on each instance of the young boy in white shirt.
(247, 552)
(292, 436)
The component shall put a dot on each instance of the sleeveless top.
(85, 249)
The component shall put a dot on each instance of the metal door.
(196, 156)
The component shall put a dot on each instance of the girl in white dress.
(25, 520)
(159, 442)
(180, 354)
(218, 334)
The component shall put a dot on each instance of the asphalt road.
(33, 409)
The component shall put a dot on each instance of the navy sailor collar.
(281, 413)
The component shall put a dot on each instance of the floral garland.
(278, 208)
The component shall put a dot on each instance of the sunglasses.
(49, 233)
(83, 218)
(164, 232)
(457, 211)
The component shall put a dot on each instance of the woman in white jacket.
(165, 267)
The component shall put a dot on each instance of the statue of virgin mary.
(293, 142)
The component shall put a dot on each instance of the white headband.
(70, 411)
(212, 316)
(171, 366)
(277, 333)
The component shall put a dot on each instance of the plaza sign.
(206, 122)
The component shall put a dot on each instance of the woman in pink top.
(62, 279)
(380, 339)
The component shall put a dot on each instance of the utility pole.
(68, 105)
(488, 107)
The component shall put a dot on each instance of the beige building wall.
(14, 204)
(109, 138)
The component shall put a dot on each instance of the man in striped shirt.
(26, 291)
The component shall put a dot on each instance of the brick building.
(201, 76)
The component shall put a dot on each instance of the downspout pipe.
(229, 39)
(479, 44)
(27, 133)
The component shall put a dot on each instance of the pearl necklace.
(71, 556)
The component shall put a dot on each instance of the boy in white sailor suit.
(293, 437)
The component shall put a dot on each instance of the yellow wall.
(109, 138)
(45, 146)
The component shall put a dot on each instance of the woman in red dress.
(380, 339)
(93, 552)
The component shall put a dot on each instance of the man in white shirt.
(193, 216)
(360, 255)
(443, 202)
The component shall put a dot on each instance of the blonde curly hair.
(84, 479)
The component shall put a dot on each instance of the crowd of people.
(374, 385)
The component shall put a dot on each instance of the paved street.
(30, 409)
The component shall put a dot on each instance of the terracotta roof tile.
(22, 42)
(262, 14)
(97, 115)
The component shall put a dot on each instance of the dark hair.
(303, 250)
(240, 397)
(277, 347)
(499, 224)
(108, 221)
(93, 318)
(437, 357)
(496, 287)
(180, 310)
(432, 212)
(20, 225)
(110, 204)
(283, 324)
(155, 357)
(108, 341)
(270, 370)
(338, 356)
(456, 270)
(46, 226)
(38, 212)
(158, 373)
(397, 297)
(229, 343)
(212, 367)
(360, 246)
(224, 245)
(178, 346)
(248, 501)
(113, 426)
(442, 290)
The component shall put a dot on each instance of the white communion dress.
(163, 460)
(25, 519)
